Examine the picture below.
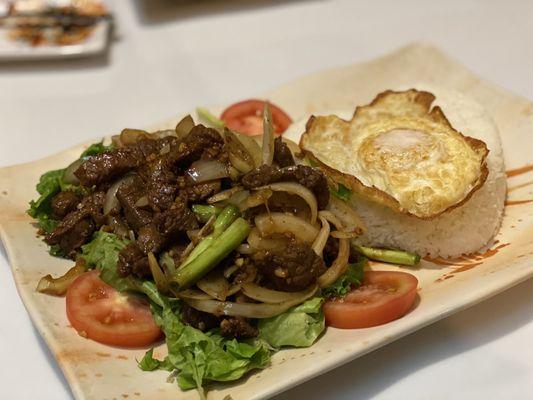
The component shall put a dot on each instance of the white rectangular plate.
(96, 43)
(96, 371)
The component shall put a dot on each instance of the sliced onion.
(239, 198)
(322, 237)
(286, 223)
(255, 199)
(184, 127)
(59, 286)
(214, 284)
(259, 242)
(340, 264)
(118, 227)
(249, 310)
(167, 263)
(165, 149)
(265, 295)
(224, 195)
(238, 154)
(230, 270)
(245, 249)
(160, 279)
(343, 235)
(68, 175)
(298, 190)
(162, 134)
(268, 137)
(233, 289)
(204, 231)
(193, 294)
(207, 170)
(129, 137)
(111, 202)
(251, 146)
(351, 222)
(142, 202)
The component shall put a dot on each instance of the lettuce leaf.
(102, 253)
(300, 326)
(201, 357)
(352, 278)
(51, 183)
(96, 148)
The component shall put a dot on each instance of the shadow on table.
(160, 11)
(375, 372)
(55, 65)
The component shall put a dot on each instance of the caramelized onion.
(286, 223)
(340, 264)
(251, 146)
(160, 279)
(207, 170)
(224, 195)
(193, 294)
(142, 202)
(259, 242)
(298, 190)
(68, 175)
(351, 222)
(118, 227)
(167, 263)
(184, 127)
(255, 199)
(129, 136)
(245, 249)
(214, 284)
(111, 202)
(59, 286)
(268, 136)
(322, 237)
(238, 154)
(249, 310)
(265, 295)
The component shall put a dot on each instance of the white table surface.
(174, 55)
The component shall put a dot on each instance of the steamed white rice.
(463, 230)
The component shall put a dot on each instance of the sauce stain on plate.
(519, 171)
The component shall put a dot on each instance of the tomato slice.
(99, 312)
(247, 117)
(383, 297)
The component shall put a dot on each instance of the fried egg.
(401, 152)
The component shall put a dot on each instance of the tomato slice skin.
(384, 296)
(247, 117)
(99, 312)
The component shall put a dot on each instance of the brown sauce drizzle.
(515, 172)
(466, 262)
(517, 202)
(519, 171)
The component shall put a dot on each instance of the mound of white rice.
(463, 230)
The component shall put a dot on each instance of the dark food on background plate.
(39, 23)
(232, 246)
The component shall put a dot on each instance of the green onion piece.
(209, 119)
(223, 221)
(204, 212)
(389, 256)
(228, 241)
